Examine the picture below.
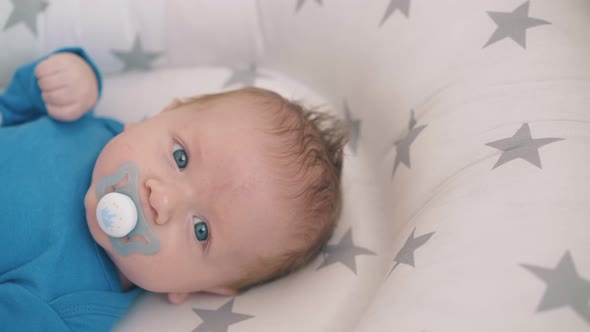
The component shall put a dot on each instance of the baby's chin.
(132, 275)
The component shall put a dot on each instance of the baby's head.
(239, 187)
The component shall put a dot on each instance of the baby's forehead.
(256, 205)
(230, 110)
(252, 101)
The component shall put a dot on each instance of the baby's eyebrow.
(217, 216)
(191, 143)
(196, 149)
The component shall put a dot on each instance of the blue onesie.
(53, 276)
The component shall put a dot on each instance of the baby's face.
(208, 167)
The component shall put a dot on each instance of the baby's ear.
(224, 291)
(177, 298)
(174, 104)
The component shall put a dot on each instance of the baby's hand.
(68, 85)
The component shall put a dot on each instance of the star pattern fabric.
(25, 11)
(402, 147)
(244, 77)
(564, 287)
(220, 319)
(355, 124)
(344, 252)
(394, 5)
(521, 146)
(406, 254)
(513, 25)
(300, 4)
(136, 58)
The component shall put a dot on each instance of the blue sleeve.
(20, 310)
(22, 101)
(90, 311)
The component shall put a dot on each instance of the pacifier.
(119, 213)
(116, 214)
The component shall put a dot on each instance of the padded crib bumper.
(467, 177)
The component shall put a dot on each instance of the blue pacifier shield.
(117, 210)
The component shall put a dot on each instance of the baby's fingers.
(52, 65)
(70, 112)
(52, 82)
(58, 97)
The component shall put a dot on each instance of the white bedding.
(467, 182)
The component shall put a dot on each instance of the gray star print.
(401, 5)
(300, 4)
(136, 58)
(402, 147)
(513, 24)
(521, 145)
(564, 287)
(355, 124)
(25, 11)
(218, 320)
(246, 77)
(406, 254)
(344, 252)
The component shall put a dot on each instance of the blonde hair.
(311, 152)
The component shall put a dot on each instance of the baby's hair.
(310, 155)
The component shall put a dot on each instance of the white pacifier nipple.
(116, 214)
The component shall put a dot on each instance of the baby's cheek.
(89, 199)
(90, 203)
(156, 275)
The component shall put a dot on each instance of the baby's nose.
(159, 200)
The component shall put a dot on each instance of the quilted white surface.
(467, 182)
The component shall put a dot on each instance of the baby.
(231, 190)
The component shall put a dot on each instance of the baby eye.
(180, 156)
(201, 230)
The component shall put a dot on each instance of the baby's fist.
(68, 85)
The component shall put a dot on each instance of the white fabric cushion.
(470, 177)
(17, 45)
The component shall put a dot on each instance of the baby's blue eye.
(201, 230)
(180, 156)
